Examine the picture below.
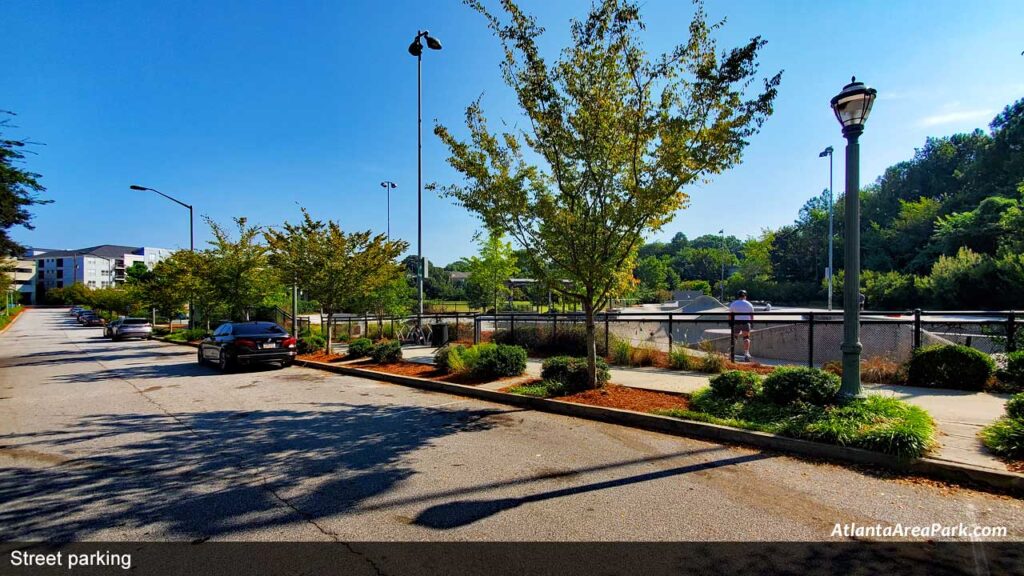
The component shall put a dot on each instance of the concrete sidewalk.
(959, 415)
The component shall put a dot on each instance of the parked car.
(129, 328)
(240, 343)
(91, 319)
(75, 310)
(80, 311)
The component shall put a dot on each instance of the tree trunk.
(330, 331)
(591, 345)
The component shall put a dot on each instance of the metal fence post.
(917, 328)
(554, 330)
(670, 333)
(349, 334)
(512, 327)
(366, 325)
(810, 340)
(607, 331)
(456, 323)
(476, 330)
(1011, 332)
(732, 337)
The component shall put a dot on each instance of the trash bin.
(438, 335)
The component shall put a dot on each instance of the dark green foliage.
(1005, 437)
(572, 372)
(387, 352)
(736, 384)
(500, 361)
(311, 343)
(18, 190)
(873, 423)
(544, 389)
(441, 357)
(1012, 376)
(538, 338)
(360, 347)
(954, 366)
(1015, 406)
(190, 335)
(801, 386)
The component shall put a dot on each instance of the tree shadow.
(209, 474)
(461, 513)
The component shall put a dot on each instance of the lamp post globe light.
(852, 107)
(416, 49)
(389, 186)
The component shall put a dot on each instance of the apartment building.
(101, 266)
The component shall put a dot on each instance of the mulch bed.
(625, 398)
(749, 367)
(429, 371)
(322, 356)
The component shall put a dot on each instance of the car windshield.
(136, 321)
(258, 329)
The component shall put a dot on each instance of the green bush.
(736, 384)
(621, 353)
(790, 385)
(1015, 406)
(387, 352)
(188, 335)
(1005, 437)
(311, 343)
(678, 359)
(572, 372)
(537, 338)
(953, 366)
(444, 356)
(544, 389)
(1013, 375)
(500, 360)
(360, 347)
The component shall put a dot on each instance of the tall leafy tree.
(335, 268)
(490, 271)
(19, 190)
(616, 137)
(239, 275)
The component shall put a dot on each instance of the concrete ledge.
(931, 467)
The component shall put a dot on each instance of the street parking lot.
(134, 440)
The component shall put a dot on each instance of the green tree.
(617, 137)
(393, 298)
(652, 273)
(137, 273)
(19, 190)
(239, 275)
(490, 272)
(182, 278)
(335, 268)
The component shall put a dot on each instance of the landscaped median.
(792, 410)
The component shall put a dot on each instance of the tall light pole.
(389, 185)
(828, 152)
(722, 282)
(416, 49)
(191, 235)
(852, 107)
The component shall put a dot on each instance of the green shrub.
(791, 385)
(621, 353)
(678, 359)
(1015, 406)
(500, 360)
(572, 372)
(544, 389)
(360, 347)
(444, 355)
(736, 384)
(712, 363)
(538, 338)
(188, 335)
(1005, 437)
(1012, 376)
(387, 352)
(311, 343)
(954, 366)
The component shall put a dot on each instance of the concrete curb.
(931, 467)
(166, 341)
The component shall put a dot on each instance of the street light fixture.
(831, 234)
(191, 234)
(389, 186)
(722, 281)
(416, 49)
(852, 107)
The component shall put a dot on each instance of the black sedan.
(240, 343)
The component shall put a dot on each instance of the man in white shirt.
(742, 314)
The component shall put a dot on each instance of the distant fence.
(783, 337)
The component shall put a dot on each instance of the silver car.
(129, 328)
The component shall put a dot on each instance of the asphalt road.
(135, 441)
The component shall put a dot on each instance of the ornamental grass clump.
(1005, 436)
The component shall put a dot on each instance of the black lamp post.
(416, 49)
(389, 186)
(852, 107)
(191, 234)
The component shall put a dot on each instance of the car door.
(209, 346)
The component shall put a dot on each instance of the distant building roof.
(103, 251)
(458, 276)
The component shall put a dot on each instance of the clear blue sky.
(250, 108)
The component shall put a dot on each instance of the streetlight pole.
(852, 107)
(831, 235)
(722, 282)
(191, 235)
(389, 186)
(416, 49)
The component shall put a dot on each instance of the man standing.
(742, 315)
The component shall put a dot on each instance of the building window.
(42, 274)
(60, 273)
(41, 263)
(60, 262)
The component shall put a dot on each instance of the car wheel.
(286, 363)
(223, 362)
(199, 357)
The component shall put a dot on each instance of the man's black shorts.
(741, 327)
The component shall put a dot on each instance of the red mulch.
(749, 367)
(321, 356)
(625, 398)
(419, 370)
